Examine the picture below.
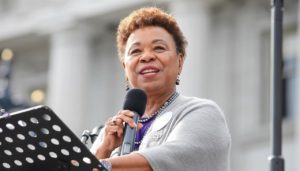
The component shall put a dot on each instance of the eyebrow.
(158, 40)
(153, 41)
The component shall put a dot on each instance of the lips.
(149, 70)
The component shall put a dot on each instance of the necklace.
(165, 105)
(148, 121)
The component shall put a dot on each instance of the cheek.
(129, 68)
(174, 69)
(172, 63)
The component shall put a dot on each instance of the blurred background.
(63, 54)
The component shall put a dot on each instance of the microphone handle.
(129, 137)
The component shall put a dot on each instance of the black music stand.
(35, 139)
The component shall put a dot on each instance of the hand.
(113, 132)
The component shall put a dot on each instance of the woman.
(176, 133)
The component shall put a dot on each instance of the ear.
(124, 67)
(180, 62)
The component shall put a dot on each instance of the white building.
(67, 49)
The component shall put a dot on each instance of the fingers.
(139, 126)
(113, 128)
(116, 120)
(115, 124)
(125, 116)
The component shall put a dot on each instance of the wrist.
(106, 164)
(103, 153)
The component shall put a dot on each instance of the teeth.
(148, 71)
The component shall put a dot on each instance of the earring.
(177, 80)
(127, 85)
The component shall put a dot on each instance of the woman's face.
(150, 61)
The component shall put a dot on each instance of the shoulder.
(197, 112)
(185, 104)
(195, 100)
(205, 116)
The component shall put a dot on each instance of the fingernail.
(133, 125)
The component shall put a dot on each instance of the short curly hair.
(149, 16)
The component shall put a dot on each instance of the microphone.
(135, 101)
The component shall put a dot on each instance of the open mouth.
(149, 71)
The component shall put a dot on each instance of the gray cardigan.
(191, 134)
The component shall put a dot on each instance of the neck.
(155, 101)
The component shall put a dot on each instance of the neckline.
(159, 111)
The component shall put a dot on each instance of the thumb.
(139, 125)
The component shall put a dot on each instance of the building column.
(297, 123)
(194, 19)
(69, 66)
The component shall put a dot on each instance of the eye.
(159, 49)
(135, 52)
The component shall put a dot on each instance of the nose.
(147, 56)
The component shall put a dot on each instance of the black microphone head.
(135, 100)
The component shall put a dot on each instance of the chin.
(150, 88)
